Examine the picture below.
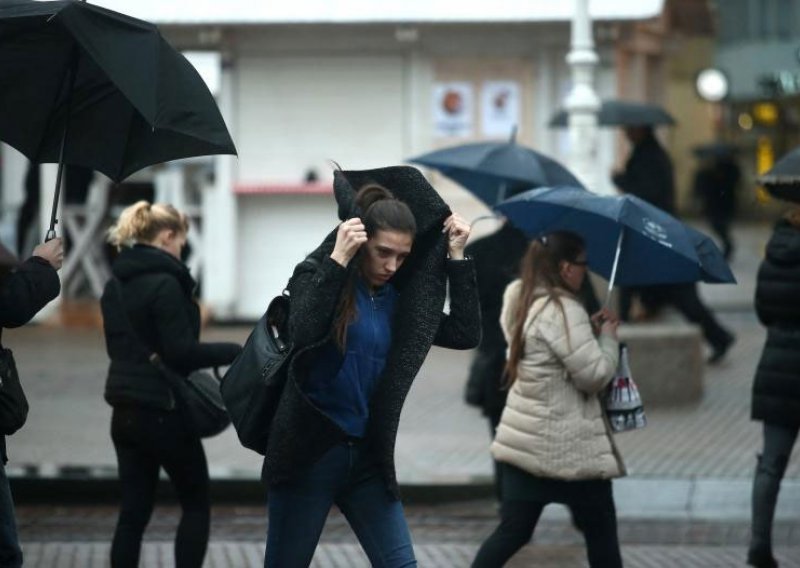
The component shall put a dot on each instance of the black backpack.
(252, 386)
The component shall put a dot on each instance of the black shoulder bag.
(13, 404)
(252, 386)
(198, 395)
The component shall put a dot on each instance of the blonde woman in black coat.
(148, 429)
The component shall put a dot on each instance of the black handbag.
(13, 404)
(200, 397)
(197, 396)
(253, 384)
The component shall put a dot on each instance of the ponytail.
(143, 221)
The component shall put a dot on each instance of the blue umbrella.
(628, 241)
(713, 266)
(493, 171)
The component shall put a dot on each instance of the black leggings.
(597, 519)
(147, 440)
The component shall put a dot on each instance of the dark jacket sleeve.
(461, 328)
(26, 291)
(179, 347)
(314, 290)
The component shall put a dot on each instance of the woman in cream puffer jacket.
(554, 442)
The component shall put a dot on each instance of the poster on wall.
(500, 108)
(452, 109)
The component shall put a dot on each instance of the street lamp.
(582, 102)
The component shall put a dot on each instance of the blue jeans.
(778, 443)
(10, 552)
(347, 477)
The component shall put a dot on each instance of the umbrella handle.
(614, 267)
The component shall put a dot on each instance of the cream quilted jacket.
(553, 424)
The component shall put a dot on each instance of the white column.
(220, 267)
(582, 102)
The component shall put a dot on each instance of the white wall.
(300, 112)
(274, 233)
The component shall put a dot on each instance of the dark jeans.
(147, 440)
(10, 553)
(596, 516)
(346, 476)
(778, 444)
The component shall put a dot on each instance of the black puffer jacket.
(776, 388)
(158, 296)
(300, 432)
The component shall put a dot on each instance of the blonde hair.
(143, 221)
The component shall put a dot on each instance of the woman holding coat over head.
(366, 306)
(152, 295)
(554, 442)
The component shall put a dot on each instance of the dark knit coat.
(300, 432)
(776, 388)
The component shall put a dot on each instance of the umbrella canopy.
(628, 241)
(783, 180)
(623, 113)
(107, 86)
(493, 171)
(715, 150)
(713, 267)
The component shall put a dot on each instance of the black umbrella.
(717, 149)
(494, 171)
(623, 113)
(87, 86)
(783, 180)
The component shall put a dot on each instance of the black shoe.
(720, 350)
(761, 560)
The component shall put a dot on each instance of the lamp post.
(582, 102)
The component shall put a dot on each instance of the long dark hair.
(540, 268)
(379, 211)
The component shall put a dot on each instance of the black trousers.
(596, 516)
(145, 441)
(685, 299)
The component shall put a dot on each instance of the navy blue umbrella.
(628, 241)
(493, 171)
(714, 268)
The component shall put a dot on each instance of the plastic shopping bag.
(623, 403)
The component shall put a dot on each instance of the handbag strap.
(153, 357)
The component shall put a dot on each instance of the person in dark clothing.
(648, 175)
(366, 308)
(715, 184)
(497, 258)
(147, 426)
(23, 292)
(776, 387)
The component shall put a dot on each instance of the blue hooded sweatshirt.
(341, 383)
